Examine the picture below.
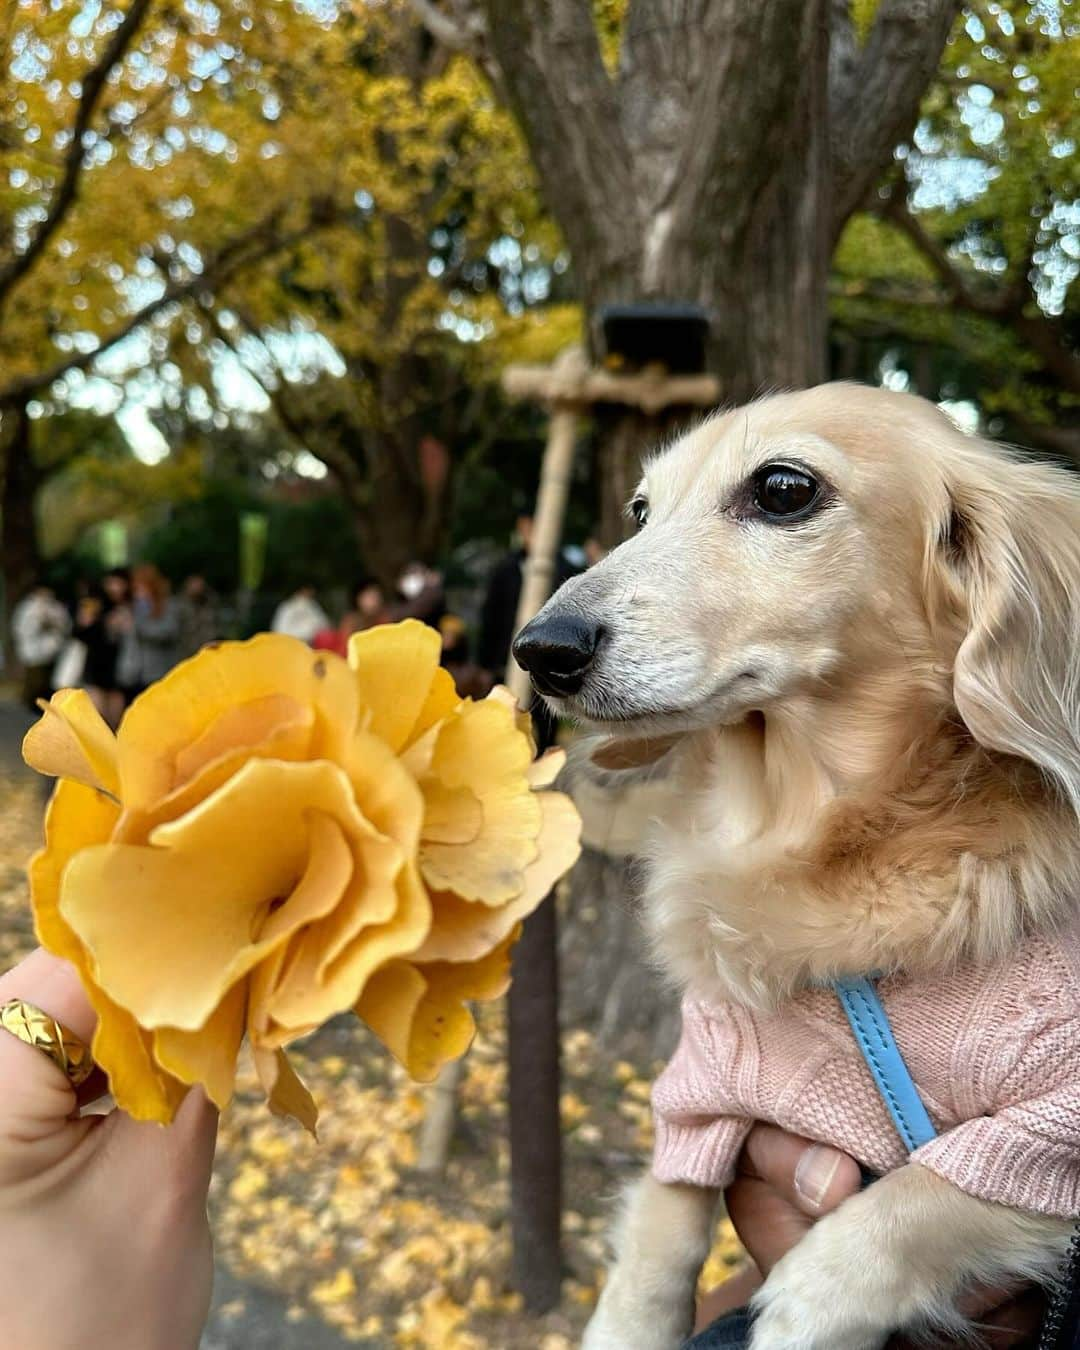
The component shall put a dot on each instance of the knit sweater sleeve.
(1027, 1153)
(697, 1137)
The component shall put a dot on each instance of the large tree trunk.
(739, 224)
(18, 528)
(401, 514)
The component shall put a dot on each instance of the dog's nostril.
(557, 651)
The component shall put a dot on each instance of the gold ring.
(70, 1055)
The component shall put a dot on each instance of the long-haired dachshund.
(852, 630)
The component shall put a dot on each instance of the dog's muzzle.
(558, 651)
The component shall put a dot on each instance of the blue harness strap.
(876, 1042)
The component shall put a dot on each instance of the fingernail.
(814, 1173)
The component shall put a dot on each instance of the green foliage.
(310, 540)
(992, 182)
(89, 474)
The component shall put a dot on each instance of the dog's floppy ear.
(1011, 548)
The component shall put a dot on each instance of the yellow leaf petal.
(543, 771)
(79, 817)
(173, 926)
(400, 680)
(245, 726)
(284, 1089)
(310, 991)
(389, 1003)
(480, 748)
(71, 740)
(391, 798)
(175, 713)
(522, 716)
(443, 1027)
(451, 815)
(465, 931)
(206, 1056)
(288, 741)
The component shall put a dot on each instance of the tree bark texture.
(718, 164)
(21, 479)
(623, 434)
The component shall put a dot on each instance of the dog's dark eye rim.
(639, 511)
(758, 481)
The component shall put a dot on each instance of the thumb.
(38, 1100)
(180, 1156)
(782, 1185)
(811, 1178)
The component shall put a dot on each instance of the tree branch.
(997, 304)
(553, 72)
(249, 247)
(1012, 305)
(348, 473)
(93, 86)
(875, 92)
(462, 27)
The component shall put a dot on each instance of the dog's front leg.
(895, 1257)
(661, 1242)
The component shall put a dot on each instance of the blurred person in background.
(594, 551)
(369, 610)
(300, 615)
(369, 606)
(150, 643)
(470, 679)
(420, 595)
(39, 626)
(102, 617)
(198, 612)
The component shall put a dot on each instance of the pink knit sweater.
(994, 1051)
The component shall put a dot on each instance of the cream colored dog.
(836, 603)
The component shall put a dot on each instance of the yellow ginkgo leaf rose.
(276, 836)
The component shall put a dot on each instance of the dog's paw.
(788, 1322)
(814, 1299)
(617, 1325)
(604, 1334)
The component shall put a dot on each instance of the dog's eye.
(782, 492)
(639, 509)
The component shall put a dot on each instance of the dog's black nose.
(558, 651)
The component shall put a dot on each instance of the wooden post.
(568, 386)
(535, 1132)
(437, 1130)
(533, 1003)
(556, 471)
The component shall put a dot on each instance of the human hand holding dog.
(104, 1238)
(783, 1186)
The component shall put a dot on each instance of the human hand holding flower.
(276, 836)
